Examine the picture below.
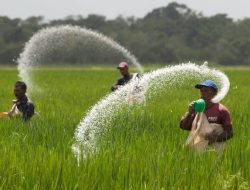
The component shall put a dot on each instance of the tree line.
(170, 34)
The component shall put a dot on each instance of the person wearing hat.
(126, 76)
(216, 113)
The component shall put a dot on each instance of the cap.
(122, 65)
(207, 83)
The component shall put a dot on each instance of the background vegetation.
(170, 34)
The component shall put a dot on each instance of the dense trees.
(170, 34)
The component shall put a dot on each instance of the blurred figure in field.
(22, 106)
(126, 76)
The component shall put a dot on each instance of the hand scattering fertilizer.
(100, 116)
(88, 130)
(42, 44)
(200, 128)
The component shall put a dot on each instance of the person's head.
(20, 89)
(123, 67)
(208, 89)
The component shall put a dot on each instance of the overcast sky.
(54, 9)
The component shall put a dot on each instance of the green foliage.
(170, 34)
(236, 182)
(142, 149)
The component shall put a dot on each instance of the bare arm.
(12, 110)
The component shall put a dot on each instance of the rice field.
(141, 149)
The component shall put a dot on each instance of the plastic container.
(199, 105)
(3, 114)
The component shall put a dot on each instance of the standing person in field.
(22, 106)
(126, 76)
(215, 113)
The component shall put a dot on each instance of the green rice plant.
(141, 149)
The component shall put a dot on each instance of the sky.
(59, 9)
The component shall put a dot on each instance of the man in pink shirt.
(215, 112)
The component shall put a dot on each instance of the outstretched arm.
(12, 110)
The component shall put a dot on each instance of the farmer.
(126, 76)
(216, 113)
(22, 106)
